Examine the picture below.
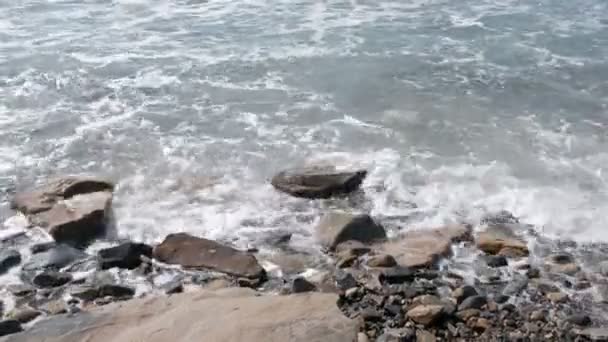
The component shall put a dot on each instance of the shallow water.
(456, 108)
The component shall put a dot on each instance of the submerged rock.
(202, 316)
(56, 257)
(199, 253)
(423, 248)
(10, 326)
(126, 255)
(51, 279)
(9, 258)
(318, 182)
(500, 239)
(337, 227)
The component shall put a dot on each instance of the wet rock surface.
(338, 227)
(318, 182)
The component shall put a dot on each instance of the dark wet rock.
(464, 292)
(43, 247)
(318, 182)
(508, 307)
(86, 293)
(371, 315)
(533, 273)
(396, 275)
(126, 255)
(517, 284)
(500, 217)
(337, 227)
(495, 260)
(24, 315)
(51, 279)
(561, 259)
(116, 291)
(300, 285)
(580, 320)
(500, 239)
(46, 196)
(56, 257)
(174, 286)
(382, 260)
(9, 258)
(501, 299)
(21, 290)
(345, 280)
(425, 247)
(10, 326)
(473, 302)
(199, 253)
(425, 314)
(79, 220)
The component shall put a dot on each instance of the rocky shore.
(492, 280)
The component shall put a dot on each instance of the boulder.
(9, 258)
(45, 197)
(55, 257)
(228, 315)
(318, 182)
(10, 326)
(423, 248)
(473, 302)
(199, 253)
(77, 220)
(51, 279)
(500, 239)
(126, 255)
(337, 227)
(300, 285)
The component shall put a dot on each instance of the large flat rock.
(337, 227)
(228, 315)
(423, 248)
(199, 253)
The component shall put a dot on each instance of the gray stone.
(500, 217)
(464, 292)
(21, 290)
(517, 284)
(116, 291)
(595, 334)
(495, 260)
(86, 293)
(51, 279)
(24, 315)
(580, 320)
(473, 302)
(9, 258)
(300, 285)
(397, 335)
(345, 280)
(126, 255)
(54, 258)
(318, 182)
(10, 326)
(337, 227)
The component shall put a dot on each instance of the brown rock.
(24, 315)
(425, 314)
(557, 297)
(337, 227)
(423, 248)
(199, 253)
(45, 197)
(501, 239)
(482, 324)
(318, 182)
(425, 336)
(229, 315)
(465, 315)
(382, 260)
(77, 220)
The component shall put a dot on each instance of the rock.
(545, 286)
(465, 315)
(557, 297)
(126, 255)
(603, 268)
(382, 260)
(56, 257)
(500, 239)
(533, 273)
(352, 247)
(397, 335)
(495, 260)
(345, 280)
(86, 293)
(318, 182)
(337, 227)
(78, 220)
(482, 324)
(21, 290)
(595, 334)
(396, 275)
(24, 315)
(513, 253)
(345, 261)
(174, 286)
(425, 314)
(425, 336)
(538, 315)
(51, 279)
(447, 306)
(9, 258)
(472, 302)
(45, 197)
(580, 320)
(423, 248)
(43, 247)
(199, 253)
(116, 291)
(300, 285)
(567, 269)
(202, 316)
(501, 299)
(464, 292)
(500, 217)
(361, 337)
(10, 326)
(54, 307)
